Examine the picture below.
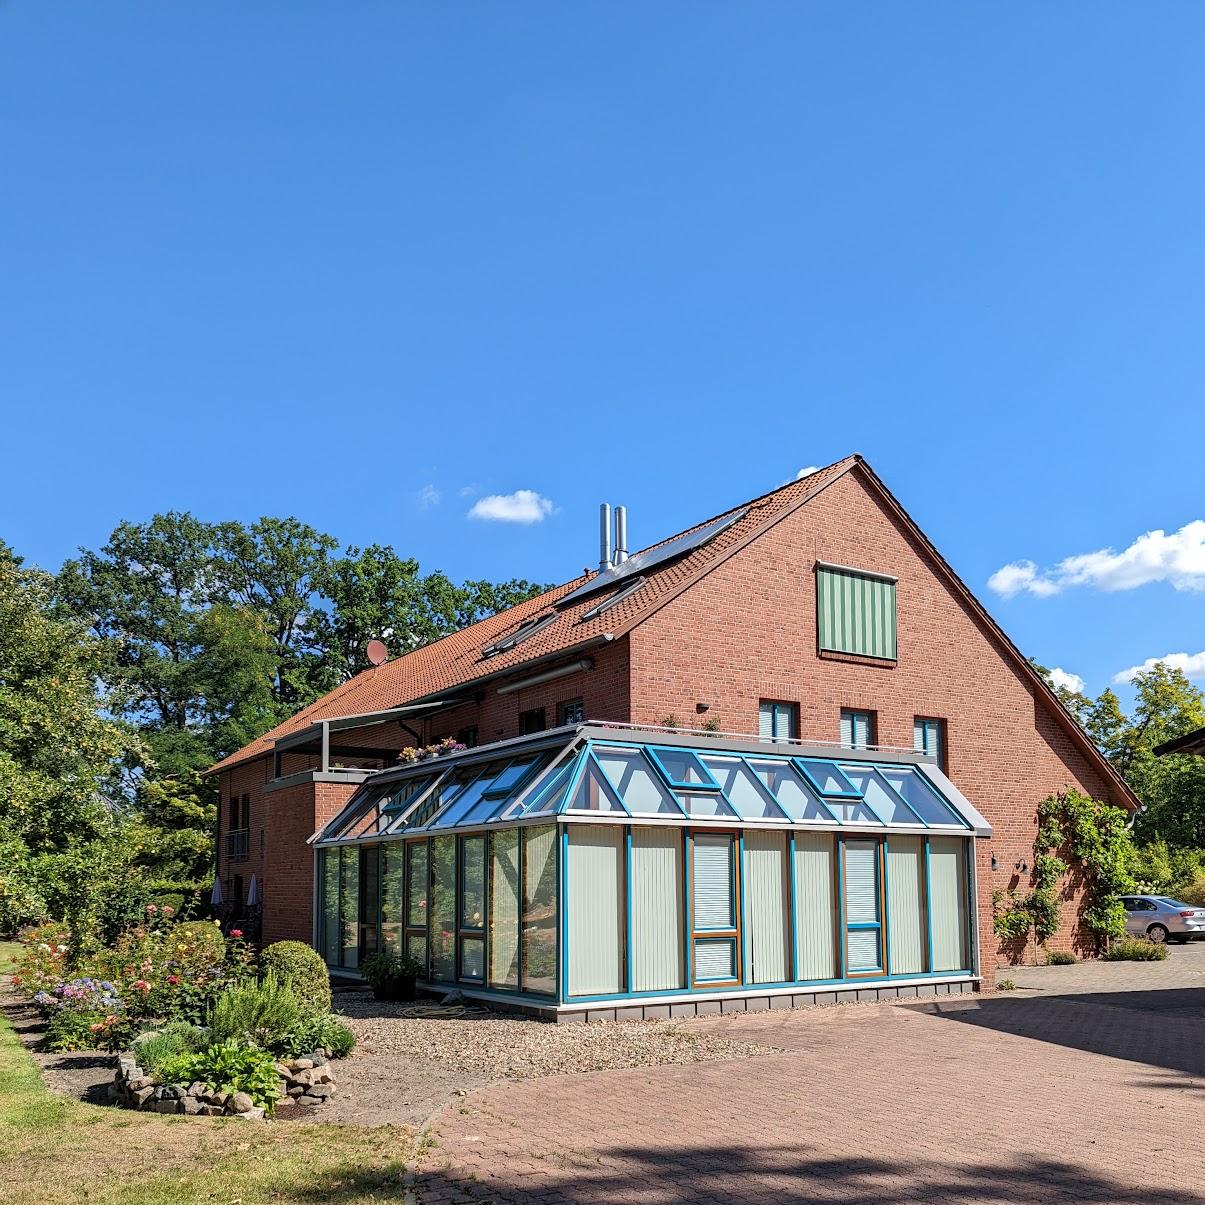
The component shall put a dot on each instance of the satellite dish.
(376, 652)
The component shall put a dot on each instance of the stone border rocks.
(308, 1080)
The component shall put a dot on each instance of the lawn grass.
(54, 1150)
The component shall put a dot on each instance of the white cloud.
(812, 468)
(429, 496)
(523, 506)
(467, 491)
(1155, 556)
(1072, 682)
(1193, 665)
(1021, 575)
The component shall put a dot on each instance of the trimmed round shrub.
(303, 970)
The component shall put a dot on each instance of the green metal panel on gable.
(855, 613)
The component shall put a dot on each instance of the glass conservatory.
(609, 870)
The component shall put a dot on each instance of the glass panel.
(443, 908)
(862, 950)
(711, 881)
(370, 899)
(416, 947)
(551, 794)
(442, 794)
(657, 908)
(922, 798)
(398, 799)
(460, 806)
(767, 892)
(330, 905)
(635, 781)
(907, 933)
(852, 811)
(391, 896)
(472, 882)
(594, 883)
(948, 902)
(539, 911)
(707, 805)
(349, 899)
(815, 906)
(594, 793)
(510, 778)
(785, 783)
(826, 777)
(472, 959)
(861, 882)
(886, 803)
(504, 908)
(416, 885)
(715, 959)
(742, 788)
(683, 768)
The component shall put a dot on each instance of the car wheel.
(1157, 933)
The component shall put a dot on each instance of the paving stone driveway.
(1086, 1085)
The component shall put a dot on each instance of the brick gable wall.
(748, 631)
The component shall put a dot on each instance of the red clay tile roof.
(457, 660)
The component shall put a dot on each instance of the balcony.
(238, 845)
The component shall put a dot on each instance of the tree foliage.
(174, 644)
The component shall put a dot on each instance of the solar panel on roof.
(642, 562)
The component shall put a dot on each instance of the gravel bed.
(492, 1046)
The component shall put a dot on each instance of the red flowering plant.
(158, 970)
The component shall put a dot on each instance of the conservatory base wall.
(703, 1004)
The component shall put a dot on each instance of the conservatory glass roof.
(597, 777)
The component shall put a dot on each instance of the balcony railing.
(238, 845)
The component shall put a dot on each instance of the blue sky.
(369, 264)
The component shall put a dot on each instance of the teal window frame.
(779, 711)
(850, 792)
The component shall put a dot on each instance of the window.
(855, 612)
(857, 729)
(929, 737)
(532, 721)
(468, 736)
(863, 914)
(572, 712)
(778, 721)
(525, 630)
(715, 933)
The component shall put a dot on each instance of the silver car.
(1160, 917)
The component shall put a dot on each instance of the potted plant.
(391, 976)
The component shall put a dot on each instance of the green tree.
(61, 761)
(373, 593)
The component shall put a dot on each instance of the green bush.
(1194, 892)
(1059, 958)
(1136, 949)
(302, 969)
(158, 1047)
(1006, 985)
(229, 1066)
(263, 1012)
(391, 976)
(74, 1029)
(313, 1032)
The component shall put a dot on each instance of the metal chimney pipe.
(604, 537)
(621, 534)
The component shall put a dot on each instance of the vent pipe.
(621, 534)
(604, 537)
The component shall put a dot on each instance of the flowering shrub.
(43, 961)
(158, 970)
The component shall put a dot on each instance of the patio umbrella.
(215, 892)
(253, 892)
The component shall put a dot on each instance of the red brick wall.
(748, 632)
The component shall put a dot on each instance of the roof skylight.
(525, 630)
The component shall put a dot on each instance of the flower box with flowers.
(410, 754)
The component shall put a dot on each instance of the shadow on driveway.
(794, 1175)
(1161, 1028)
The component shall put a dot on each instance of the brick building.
(817, 620)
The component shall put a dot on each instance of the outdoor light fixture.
(995, 864)
(702, 707)
(1022, 865)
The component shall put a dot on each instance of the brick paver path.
(1088, 1085)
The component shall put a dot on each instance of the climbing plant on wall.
(1095, 835)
